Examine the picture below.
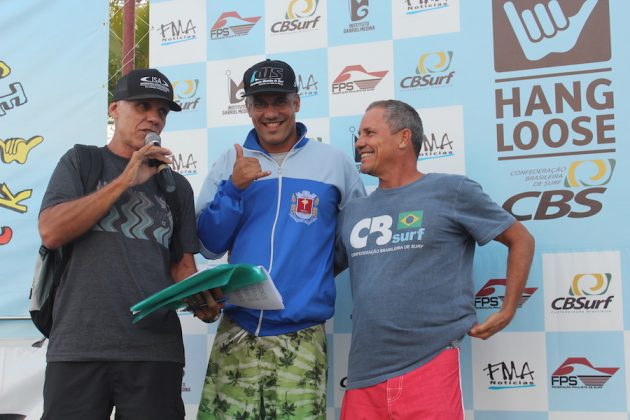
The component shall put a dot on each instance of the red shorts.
(431, 392)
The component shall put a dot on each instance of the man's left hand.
(495, 323)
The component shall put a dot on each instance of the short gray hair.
(398, 116)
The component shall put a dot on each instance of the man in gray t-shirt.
(410, 246)
(121, 234)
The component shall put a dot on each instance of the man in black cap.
(121, 234)
(273, 202)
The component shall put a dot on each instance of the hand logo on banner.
(17, 149)
(546, 29)
(16, 97)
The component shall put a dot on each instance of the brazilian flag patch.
(410, 220)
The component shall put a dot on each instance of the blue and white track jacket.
(284, 222)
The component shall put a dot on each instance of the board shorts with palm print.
(282, 376)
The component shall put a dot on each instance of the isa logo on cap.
(153, 82)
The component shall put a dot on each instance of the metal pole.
(129, 36)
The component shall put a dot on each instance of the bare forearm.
(520, 254)
(186, 267)
(67, 221)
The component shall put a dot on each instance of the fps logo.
(589, 177)
(177, 31)
(431, 71)
(491, 295)
(300, 16)
(375, 233)
(355, 78)
(578, 372)
(238, 26)
(588, 292)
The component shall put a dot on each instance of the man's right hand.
(246, 169)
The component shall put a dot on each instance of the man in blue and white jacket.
(274, 202)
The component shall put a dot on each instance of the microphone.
(165, 174)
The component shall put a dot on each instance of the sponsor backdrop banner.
(526, 97)
(53, 94)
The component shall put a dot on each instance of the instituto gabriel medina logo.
(355, 78)
(589, 173)
(432, 71)
(359, 11)
(231, 24)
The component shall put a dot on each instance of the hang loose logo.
(545, 29)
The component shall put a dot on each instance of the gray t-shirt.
(410, 253)
(121, 260)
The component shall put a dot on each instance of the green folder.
(229, 277)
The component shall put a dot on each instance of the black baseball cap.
(145, 84)
(269, 76)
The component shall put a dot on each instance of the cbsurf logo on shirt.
(304, 207)
(378, 233)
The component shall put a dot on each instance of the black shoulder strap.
(90, 165)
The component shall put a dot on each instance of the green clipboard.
(229, 277)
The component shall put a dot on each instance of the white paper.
(262, 295)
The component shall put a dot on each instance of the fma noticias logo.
(509, 374)
(531, 34)
(177, 31)
(419, 6)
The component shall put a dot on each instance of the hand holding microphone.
(165, 174)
